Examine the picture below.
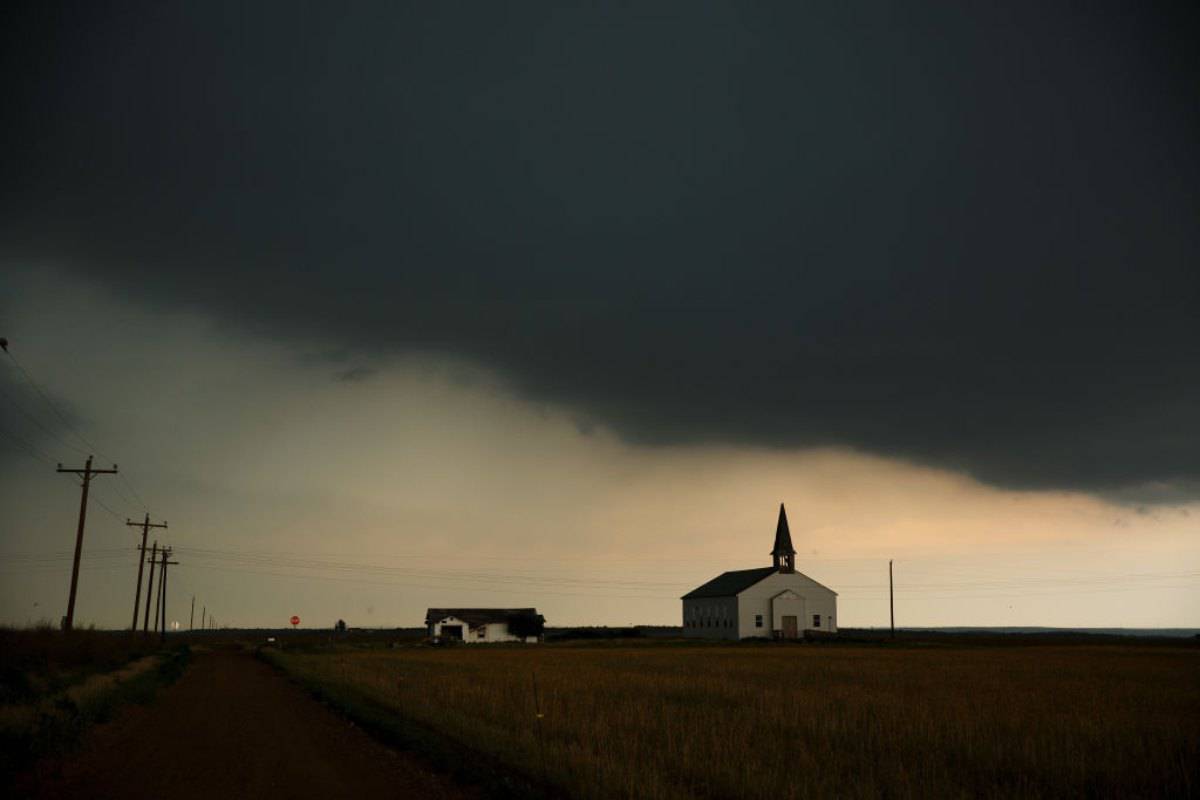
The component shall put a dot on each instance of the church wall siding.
(757, 600)
(710, 618)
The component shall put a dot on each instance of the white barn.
(482, 625)
(773, 602)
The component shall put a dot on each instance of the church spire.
(784, 555)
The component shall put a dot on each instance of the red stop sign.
(295, 620)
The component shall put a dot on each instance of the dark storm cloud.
(356, 374)
(964, 236)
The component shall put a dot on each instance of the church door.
(789, 626)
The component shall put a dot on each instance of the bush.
(525, 624)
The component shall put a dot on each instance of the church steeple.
(783, 554)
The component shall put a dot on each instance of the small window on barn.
(816, 620)
(758, 620)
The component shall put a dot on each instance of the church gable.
(764, 602)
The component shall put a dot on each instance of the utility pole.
(166, 562)
(146, 525)
(158, 596)
(891, 599)
(163, 555)
(203, 613)
(149, 588)
(85, 473)
(192, 618)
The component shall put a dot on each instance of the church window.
(816, 620)
(758, 620)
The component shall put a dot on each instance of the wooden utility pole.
(166, 562)
(145, 525)
(158, 596)
(192, 617)
(203, 616)
(163, 555)
(149, 589)
(891, 599)
(85, 473)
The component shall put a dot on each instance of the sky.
(385, 307)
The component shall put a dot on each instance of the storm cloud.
(965, 236)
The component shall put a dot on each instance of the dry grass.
(37, 662)
(54, 685)
(661, 721)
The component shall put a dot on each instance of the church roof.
(728, 584)
(783, 536)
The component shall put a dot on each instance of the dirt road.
(232, 727)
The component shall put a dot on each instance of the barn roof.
(728, 584)
(477, 616)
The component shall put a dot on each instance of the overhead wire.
(106, 508)
(39, 424)
(489, 587)
(92, 449)
(62, 417)
(406, 584)
(292, 562)
(300, 567)
(26, 447)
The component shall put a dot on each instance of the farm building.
(480, 625)
(775, 602)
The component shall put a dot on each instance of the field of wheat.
(679, 721)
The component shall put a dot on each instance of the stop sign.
(295, 620)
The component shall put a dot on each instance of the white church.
(774, 602)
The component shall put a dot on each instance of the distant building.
(480, 625)
(774, 602)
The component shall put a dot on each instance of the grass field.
(36, 662)
(54, 685)
(670, 720)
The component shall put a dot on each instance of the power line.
(488, 585)
(137, 496)
(62, 417)
(27, 448)
(44, 428)
(104, 506)
(341, 566)
(264, 559)
(91, 448)
(27, 563)
(60, 570)
(406, 584)
(56, 553)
